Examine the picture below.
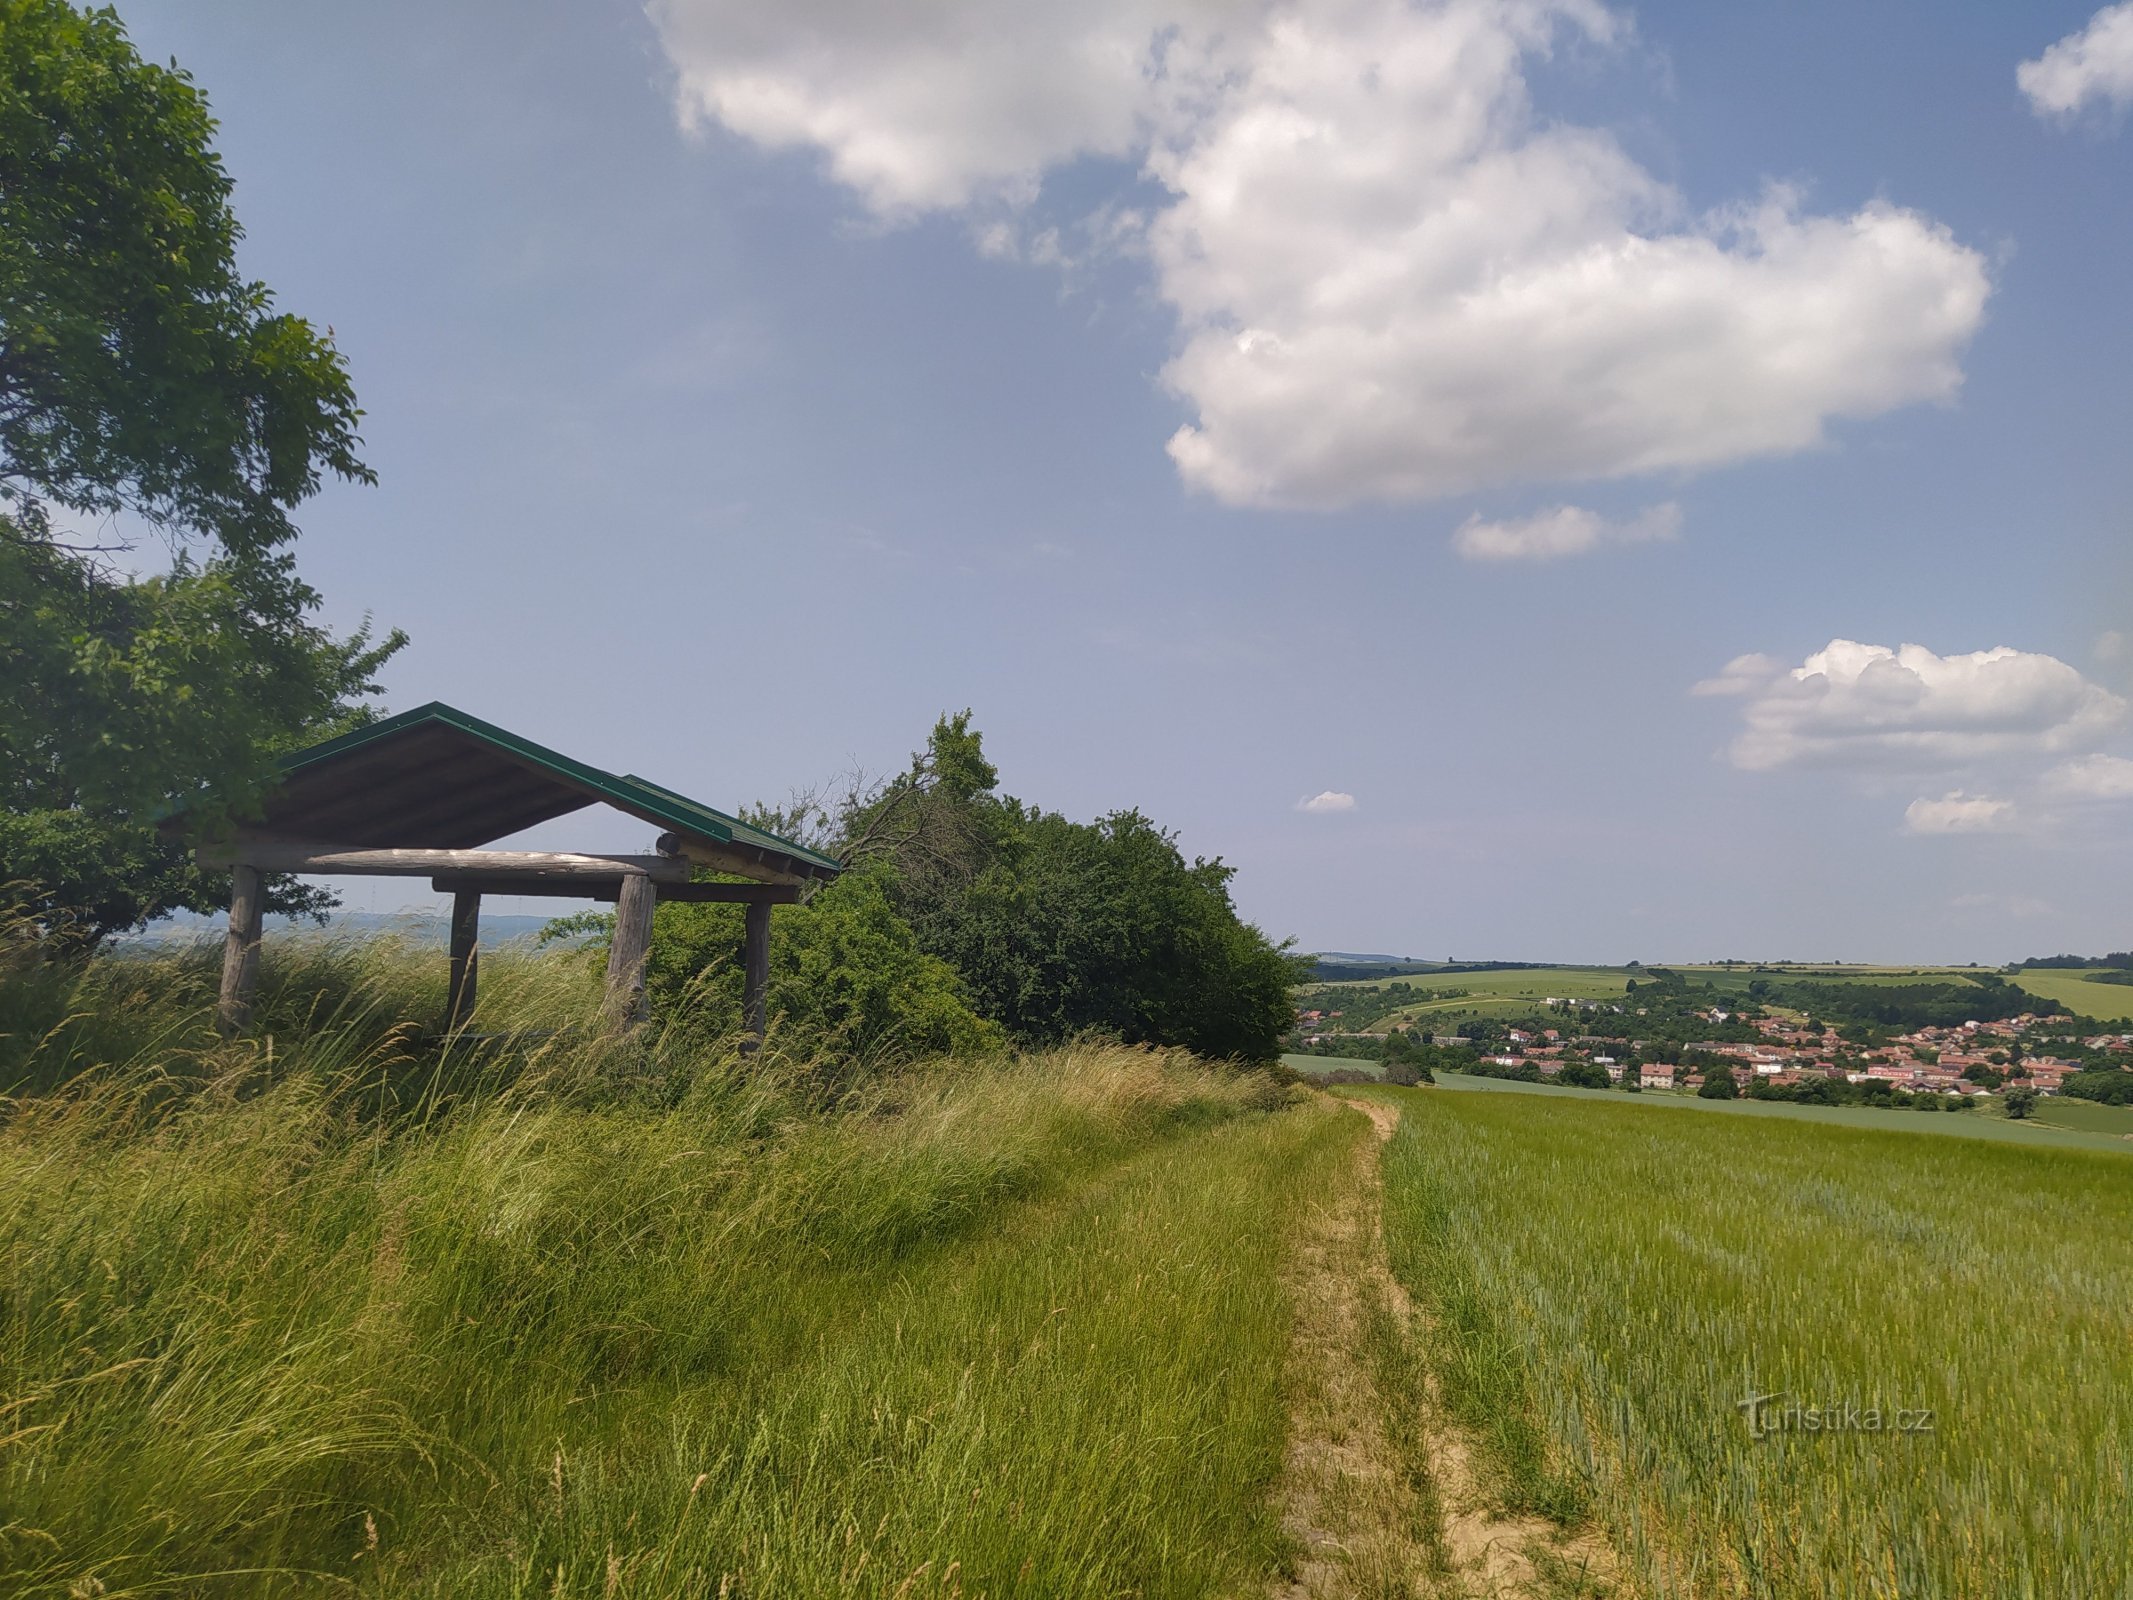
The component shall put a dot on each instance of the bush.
(1718, 1084)
(847, 977)
(2107, 1086)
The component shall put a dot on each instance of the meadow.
(1442, 1000)
(2081, 993)
(355, 1311)
(1518, 992)
(1610, 1282)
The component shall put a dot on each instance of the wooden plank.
(466, 957)
(755, 987)
(302, 855)
(627, 954)
(776, 894)
(745, 894)
(606, 889)
(240, 950)
(729, 858)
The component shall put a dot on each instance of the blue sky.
(747, 385)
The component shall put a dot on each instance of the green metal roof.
(437, 777)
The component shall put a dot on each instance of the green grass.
(1973, 1124)
(1311, 1065)
(2107, 1002)
(1612, 1280)
(1578, 983)
(563, 1320)
(2063, 1111)
(1494, 994)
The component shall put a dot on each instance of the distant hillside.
(417, 927)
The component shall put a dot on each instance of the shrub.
(847, 977)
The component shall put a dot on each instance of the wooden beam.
(744, 894)
(627, 954)
(301, 855)
(549, 888)
(240, 950)
(466, 957)
(725, 858)
(776, 894)
(755, 987)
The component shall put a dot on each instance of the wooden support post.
(626, 956)
(240, 950)
(755, 991)
(466, 957)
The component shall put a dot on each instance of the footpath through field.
(1380, 1491)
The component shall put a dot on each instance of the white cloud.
(2096, 777)
(2110, 647)
(1563, 531)
(1869, 706)
(2084, 68)
(1393, 280)
(1957, 812)
(1327, 800)
(1742, 675)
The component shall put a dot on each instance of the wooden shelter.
(417, 795)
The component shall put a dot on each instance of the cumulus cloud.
(1865, 705)
(2096, 777)
(2091, 67)
(1564, 531)
(1742, 675)
(1393, 280)
(1327, 800)
(1957, 812)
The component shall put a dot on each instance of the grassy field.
(1508, 994)
(1610, 1281)
(1496, 994)
(635, 1323)
(2076, 1131)
(2061, 1111)
(2107, 1002)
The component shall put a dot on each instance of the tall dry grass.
(535, 1312)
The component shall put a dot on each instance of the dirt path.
(1378, 1489)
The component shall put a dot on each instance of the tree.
(2019, 1101)
(1718, 1084)
(143, 378)
(1058, 926)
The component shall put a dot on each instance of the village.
(1972, 1060)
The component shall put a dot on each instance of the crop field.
(2075, 1131)
(1937, 1327)
(1440, 1003)
(2063, 1111)
(1533, 983)
(2107, 1002)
